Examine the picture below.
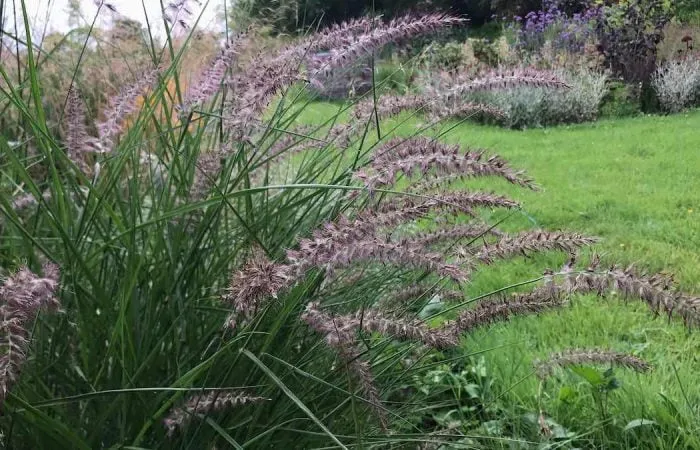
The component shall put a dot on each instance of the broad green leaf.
(593, 376)
(636, 423)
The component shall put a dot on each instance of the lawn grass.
(633, 183)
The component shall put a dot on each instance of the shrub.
(485, 51)
(448, 56)
(146, 215)
(524, 106)
(677, 84)
(622, 100)
(528, 107)
(627, 33)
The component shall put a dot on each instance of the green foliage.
(485, 51)
(462, 393)
(630, 32)
(144, 263)
(397, 78)
(447, 56)
(622, 100)
(648, 214)
(687, 11)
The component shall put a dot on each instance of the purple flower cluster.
(551, 23)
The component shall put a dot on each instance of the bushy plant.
(629, 33)
(448, 56)
(229, 300)
(530, 106)
(397, 77)
(622, 100)
(677, 84)
(553, 24)
(527, 107)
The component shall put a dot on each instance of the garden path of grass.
(635, 183)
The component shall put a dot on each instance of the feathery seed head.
(509, 79)
(530, 242)
(258, 280)
(123, 105)
(492, 311)
(424, 155)
(209, 82)
(576, 357)
(203, 404)
(376, 322)
(396, 30)
(21, 297)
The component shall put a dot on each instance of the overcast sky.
(53, 13)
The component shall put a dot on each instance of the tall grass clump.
(229, 278)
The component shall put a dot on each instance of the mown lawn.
(635, 184)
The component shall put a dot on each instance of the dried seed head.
(333, 37)
(428, 156)
(208, 169)
(376, 322)
(123, 105)
(24, 201)
(79, 144)
(388, 106)
(576, 357)
(210, 81)
(453, 233)
(258, 280)
(397, 30)
(203, 404)
(531, 242)
(342, 253)
(657, 291)
(502, 79)
(21, 297)
(500, 310)
(405, 210)
(442, 111)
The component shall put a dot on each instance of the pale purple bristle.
(203, 404)
(395, 31)
(428, 156)
(22, 295)
(79, 144)
(576, 357)
(258, 280)
(124, 105)
(209, 82)
(509, 79)
(531, 242)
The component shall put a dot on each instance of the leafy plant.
(629, 33)
(677, 84)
